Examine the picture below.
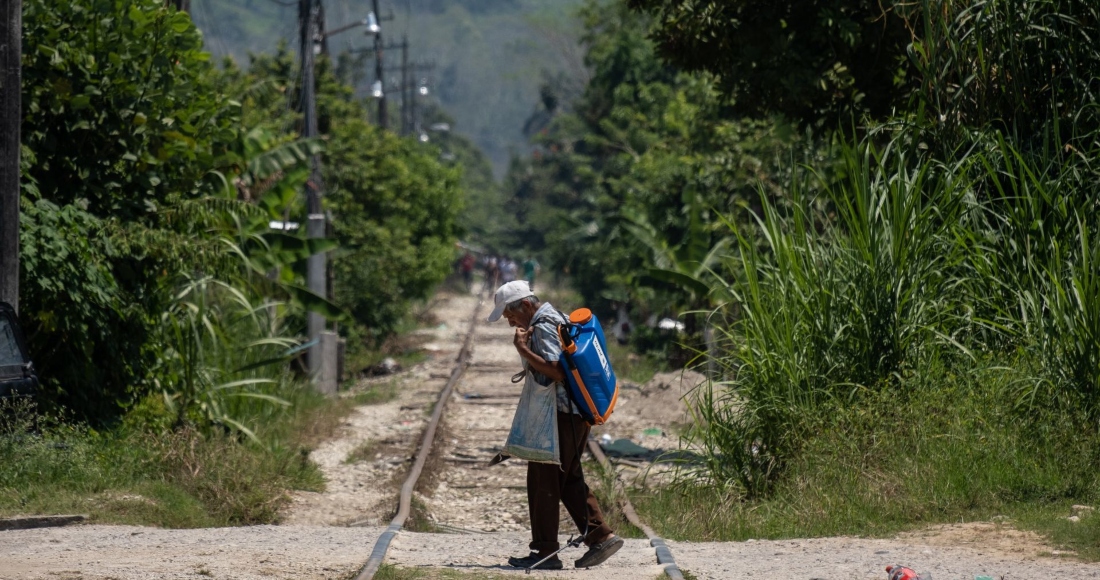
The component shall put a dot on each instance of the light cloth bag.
(534, 434)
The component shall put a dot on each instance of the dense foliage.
(810, 61)
(396, 209)
(394, 202)
(1019, 65)
(940, 243)
(631, 183)
(122, 129)
(150, 178)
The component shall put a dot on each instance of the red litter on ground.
(903, 573)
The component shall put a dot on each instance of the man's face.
(520, 317)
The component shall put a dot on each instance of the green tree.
(123, 134)
(645, 150)
(810, 61)
(395, 202)
(395, 210)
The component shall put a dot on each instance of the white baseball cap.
(507, 294)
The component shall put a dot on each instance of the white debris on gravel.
(856, 558)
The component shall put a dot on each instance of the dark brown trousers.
(548, 484)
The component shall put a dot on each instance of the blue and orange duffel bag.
(588, 373)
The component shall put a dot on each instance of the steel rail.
(378, 554)
(382, 546)
(664, 554)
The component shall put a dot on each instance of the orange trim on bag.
(569, 346)
(611, 407)
(587, 397)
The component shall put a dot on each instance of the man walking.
(545, 408)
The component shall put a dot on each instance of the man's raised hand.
(520, 339)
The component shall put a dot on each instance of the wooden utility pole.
(308, 12)
(11, 114)
(181, 5)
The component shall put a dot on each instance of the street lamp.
(376, 90)
(371, 22)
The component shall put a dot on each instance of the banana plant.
(219, 347)
(688, 265)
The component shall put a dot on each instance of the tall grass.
(863, 276)
(841, 291)
(224, 356)
(184, 477)
(1034, 271)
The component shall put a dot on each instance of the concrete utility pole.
(383, 119)
(409, 90)
(380, 70)
(310, 29)
(11, 115)
(404, 85)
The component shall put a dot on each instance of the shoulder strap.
(545, 318)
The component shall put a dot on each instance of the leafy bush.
(220, 347)
(122, 131)
(120, 106)
(819, 62)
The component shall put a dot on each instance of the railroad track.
(482, 413)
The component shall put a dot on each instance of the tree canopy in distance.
(811, 60)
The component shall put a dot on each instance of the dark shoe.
(530, 560)
(599, 553)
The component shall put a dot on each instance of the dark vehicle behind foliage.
(16, 370)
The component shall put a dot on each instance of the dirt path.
(316, 552)
(486, 505)
(363, 491)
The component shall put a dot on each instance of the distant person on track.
(492, 272)
(467, 267)
(544, 401)
(507, 270)
(531, 269)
